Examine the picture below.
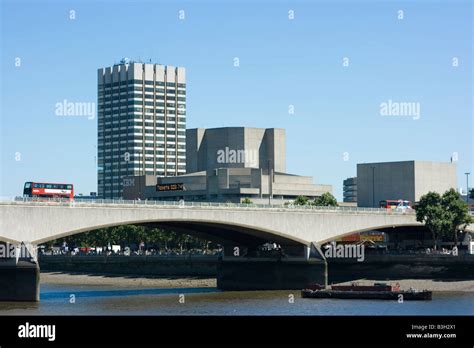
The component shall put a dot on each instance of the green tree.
(325, 200)
(246, 200)
(430, 212)
(301, 200)
(443, 215)
(456, 213)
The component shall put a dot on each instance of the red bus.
(48, 190)
(395, 203)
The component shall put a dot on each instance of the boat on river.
(377, 291)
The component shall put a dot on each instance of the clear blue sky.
(282, 62)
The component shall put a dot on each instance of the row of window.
(137, 167)
(149, 120)
(139, 94)
(170, 110)
(148, 149)
(139, 82)
(139, 131)
(131, 116)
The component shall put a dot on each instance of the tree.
(471, 194)
(430, 212)
(246, 200)
(456, 213)
(325, 200)
(443, 215)
(301, 200)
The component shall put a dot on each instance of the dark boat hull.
(369, 295)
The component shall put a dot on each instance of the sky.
(333, 63)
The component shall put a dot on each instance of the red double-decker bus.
(395, 204)
(48, 190)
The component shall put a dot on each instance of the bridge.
(300, 230)
(37, 222)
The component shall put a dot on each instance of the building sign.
(170, 187)
(128, 182)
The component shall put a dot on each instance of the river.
(108, 300)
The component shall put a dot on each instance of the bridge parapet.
(182, 204)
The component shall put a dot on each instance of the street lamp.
(467, 187)
(373, 187)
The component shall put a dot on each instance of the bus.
(48, 190)
(395, 204)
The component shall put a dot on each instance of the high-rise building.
(350, 190)
(141, 123)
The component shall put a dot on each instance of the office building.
(141, 123)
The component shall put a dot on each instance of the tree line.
(134, 235)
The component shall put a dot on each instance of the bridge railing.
(183, 204)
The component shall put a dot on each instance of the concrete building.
(350, 190)
(235, 147)
(407, 180)
(230, 164)
(141, 123)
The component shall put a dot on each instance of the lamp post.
(373, 187)
(467, 187)
(270, 182)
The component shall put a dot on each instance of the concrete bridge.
(42, 221)
(299, 230)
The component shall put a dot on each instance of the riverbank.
(124, 281)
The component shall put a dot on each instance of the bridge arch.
(216, 231)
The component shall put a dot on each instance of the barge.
(378, 291)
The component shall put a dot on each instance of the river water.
(106, 300)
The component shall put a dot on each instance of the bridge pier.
(19, 272)
(253, 273)
(19, 281)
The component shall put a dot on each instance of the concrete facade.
(235, 147)
(407, 180)
(230, 164)
(227, 185)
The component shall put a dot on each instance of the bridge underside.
(224, 234)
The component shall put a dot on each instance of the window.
(131, 82)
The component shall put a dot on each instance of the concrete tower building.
(141, 123)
